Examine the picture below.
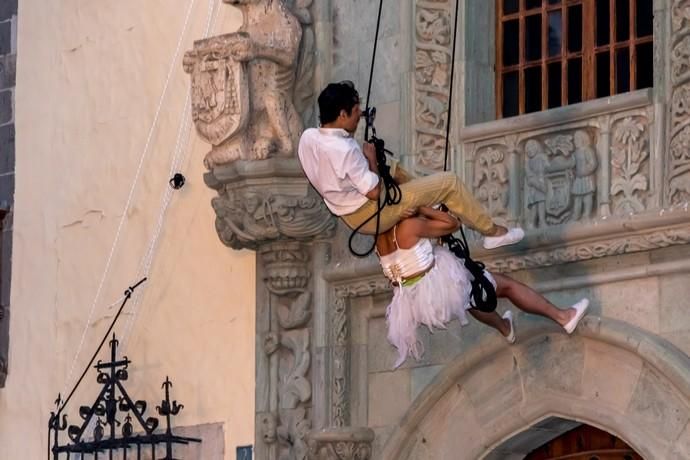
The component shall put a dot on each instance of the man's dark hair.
(336, 97)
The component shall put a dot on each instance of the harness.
(483, 293)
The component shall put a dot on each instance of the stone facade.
(600, 187)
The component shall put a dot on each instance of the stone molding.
(340, 343)
(341, 444)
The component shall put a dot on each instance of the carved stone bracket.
(341, 444)
(262, 202)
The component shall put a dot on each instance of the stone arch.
(610, 375)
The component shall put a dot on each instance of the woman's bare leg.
(492, 319)
(527, 299)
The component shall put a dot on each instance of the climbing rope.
(483, 293)
(391, 192)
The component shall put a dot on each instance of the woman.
(432, 285)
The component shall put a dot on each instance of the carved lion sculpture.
(243, 85)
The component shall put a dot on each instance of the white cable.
(180, 152)
(106, 270)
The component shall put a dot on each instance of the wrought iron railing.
(116, 426)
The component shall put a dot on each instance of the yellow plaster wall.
(90, 75)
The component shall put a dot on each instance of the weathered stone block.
(494, 388)
(552, 364)
(673, 288)
(604, 386)
(389, 397)
(656, 404)
(5, 37)
(5, 268)
(421, 377)
(6, 191)
(8, 71)
(6, 106)
(7, 149)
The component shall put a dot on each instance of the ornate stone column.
(252, 91)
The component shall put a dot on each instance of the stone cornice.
(544, 247)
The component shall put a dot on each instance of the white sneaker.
(580, 310)
(513, 236)
(509, 316)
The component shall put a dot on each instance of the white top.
(404, 263)
(335, 165)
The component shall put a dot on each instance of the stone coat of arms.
(243, 82)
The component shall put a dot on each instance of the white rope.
(128, 203)
(181, 151)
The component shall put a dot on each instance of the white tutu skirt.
(440, 296)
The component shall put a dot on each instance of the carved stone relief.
(491, 179)
(244, 83)
(678, 180)
(251, 215)
(342, 444)
(433, 24)
(287, 276)
(560, 177)
(630, 165)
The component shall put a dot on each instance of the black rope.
(483, 293)
(450, 90)
(391, 191)
(128, 295)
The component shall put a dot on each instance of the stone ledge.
(557, 245)
(558, 116)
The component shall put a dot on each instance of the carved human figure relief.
(584, 184)
(537, 161)
(560, 178)
(243, 85)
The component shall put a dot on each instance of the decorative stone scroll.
(433, 32)
(244, 83)
(678, 169)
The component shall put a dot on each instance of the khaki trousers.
(444, 188)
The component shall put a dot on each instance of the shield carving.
(558, 184)
(220, 92)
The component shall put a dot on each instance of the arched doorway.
(611, 376)
(556, 438)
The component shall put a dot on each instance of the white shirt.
(335, 165)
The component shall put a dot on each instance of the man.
(347, 176)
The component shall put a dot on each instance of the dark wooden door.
(585, 443)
